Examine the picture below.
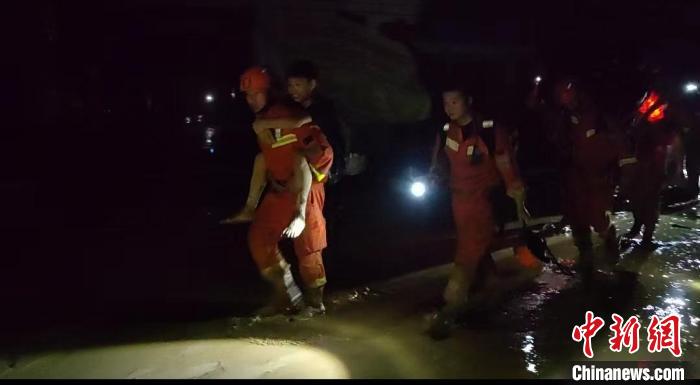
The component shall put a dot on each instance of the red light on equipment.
(657, 114)
(649, 100)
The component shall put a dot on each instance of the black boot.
(648, 237)
(313, 303)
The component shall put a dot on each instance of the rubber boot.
(486, 272)
(456, 296)
(313, 303)
(286, 297)
(648, 237)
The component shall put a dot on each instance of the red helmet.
(255, 79)
(565, 91)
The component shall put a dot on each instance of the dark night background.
(110, 203)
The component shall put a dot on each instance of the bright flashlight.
(691, 87)
(538, 79)
(418, 189)
(209, 98)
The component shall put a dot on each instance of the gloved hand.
(518, 196)
(435, 176)
(296, 227)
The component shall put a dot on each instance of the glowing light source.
(418, 189)
(538, 79)
(209, 98)
(691, 87)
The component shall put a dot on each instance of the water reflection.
(531, 358)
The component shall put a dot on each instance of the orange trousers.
(645, 194)
(475, 225)
(273, 215)
(586, 202)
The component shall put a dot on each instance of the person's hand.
(437, 176)
(432, 178)
(296, 226)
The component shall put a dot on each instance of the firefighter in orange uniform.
(589, 152)
(481, 159)
(297, 161)
(657, 158)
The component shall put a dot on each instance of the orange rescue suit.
(276, 210)
(655, 146)
(474, 173)
(590, 158)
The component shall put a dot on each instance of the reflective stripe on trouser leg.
(281, 278)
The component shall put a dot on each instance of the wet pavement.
(521, 330)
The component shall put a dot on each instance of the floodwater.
(520, 328)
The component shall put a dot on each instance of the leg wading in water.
(645, 200)
(480, 158)
(589, 152)
(658, 154)
(307, 228)
(287, 209)
(472, 263)
(297, 160)
(586, 208)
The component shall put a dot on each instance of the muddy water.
(522, 331)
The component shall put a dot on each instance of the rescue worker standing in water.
(297, 162)
(588, 158)
(480, 160)
(657, 158)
